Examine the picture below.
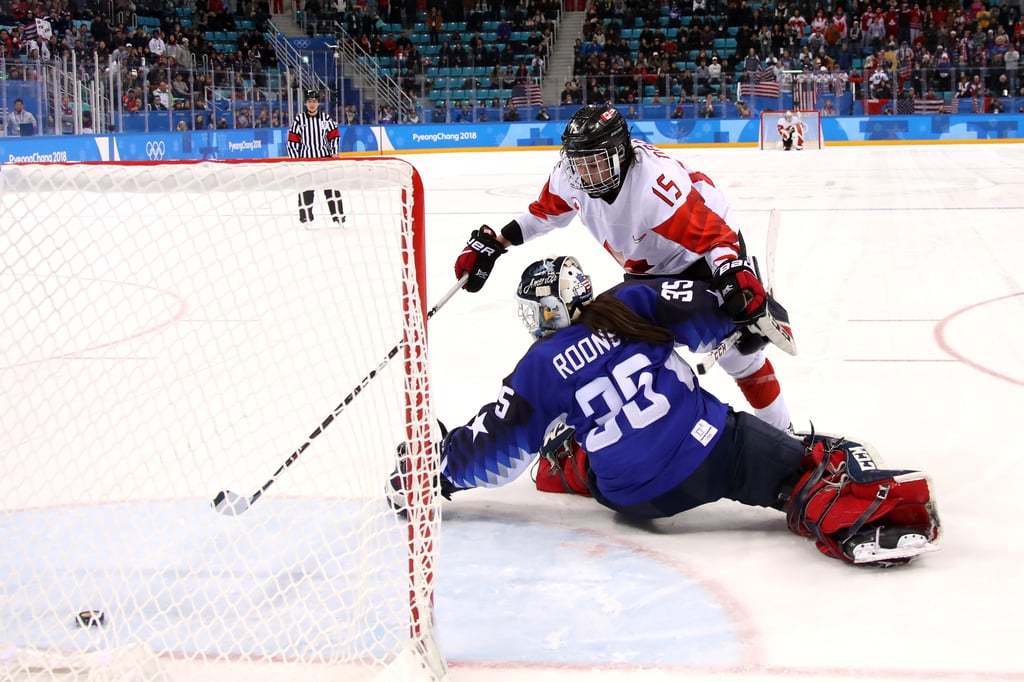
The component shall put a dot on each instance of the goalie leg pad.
(562, 467)
(857, 511)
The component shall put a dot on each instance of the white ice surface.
(900, 266)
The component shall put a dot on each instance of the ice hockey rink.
(900, 267)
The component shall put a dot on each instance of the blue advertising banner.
(262, 143)
(700, 131)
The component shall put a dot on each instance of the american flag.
(527, 95)
(766, 89)
(762, 84)
(30, 31)
(929, 106)
(904, 71)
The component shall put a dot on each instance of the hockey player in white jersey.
(791, 131)
(657, 217)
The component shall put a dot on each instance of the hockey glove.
(772, 327)
(394, 489)
(477, 259)
(742, 293)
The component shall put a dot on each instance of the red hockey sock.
(760, 388)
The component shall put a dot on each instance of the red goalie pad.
(843, 493)
(565, 471)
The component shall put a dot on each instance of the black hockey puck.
(90, 619)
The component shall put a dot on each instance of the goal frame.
(421, 515)
(768, 137)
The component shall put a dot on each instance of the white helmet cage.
(595, 171)
(552, 293)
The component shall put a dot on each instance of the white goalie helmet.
(789, 115)
(551, 294)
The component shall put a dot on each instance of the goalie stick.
(230, 503)
(771, 239)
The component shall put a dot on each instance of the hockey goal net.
(171, 331)
(810, 121)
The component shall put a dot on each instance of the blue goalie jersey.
(636, 407)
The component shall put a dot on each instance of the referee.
(314, 135)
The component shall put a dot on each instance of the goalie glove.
(743, 295)
(478, 257)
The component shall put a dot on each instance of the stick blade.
(230, 503)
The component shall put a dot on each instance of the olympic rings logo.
(155, 150)
(300, 44)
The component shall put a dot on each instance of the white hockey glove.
(774, 326)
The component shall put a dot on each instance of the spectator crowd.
(694, 57)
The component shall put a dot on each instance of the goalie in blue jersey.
(645, 439)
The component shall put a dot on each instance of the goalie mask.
(552, 293)
(596, 150)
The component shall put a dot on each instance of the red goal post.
(173, 329)
(768, 134)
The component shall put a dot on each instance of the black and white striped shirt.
(313, 137)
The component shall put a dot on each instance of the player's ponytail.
(606, 314)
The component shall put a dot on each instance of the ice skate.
(887, 546)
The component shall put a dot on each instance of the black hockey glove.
(477, 259)
(742, 293)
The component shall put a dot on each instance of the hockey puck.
(90, 619)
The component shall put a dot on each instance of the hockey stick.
(709, 360)
(231, 503)
(771, 239)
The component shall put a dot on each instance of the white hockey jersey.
(788, 126)
(665, 218)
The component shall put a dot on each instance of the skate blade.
(910, 547)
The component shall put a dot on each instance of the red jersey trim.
(549, 205)
(697, 228)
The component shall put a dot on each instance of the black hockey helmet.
(552, 293)
(313, 93)
(596, 149)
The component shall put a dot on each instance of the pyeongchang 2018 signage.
(264, 143)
